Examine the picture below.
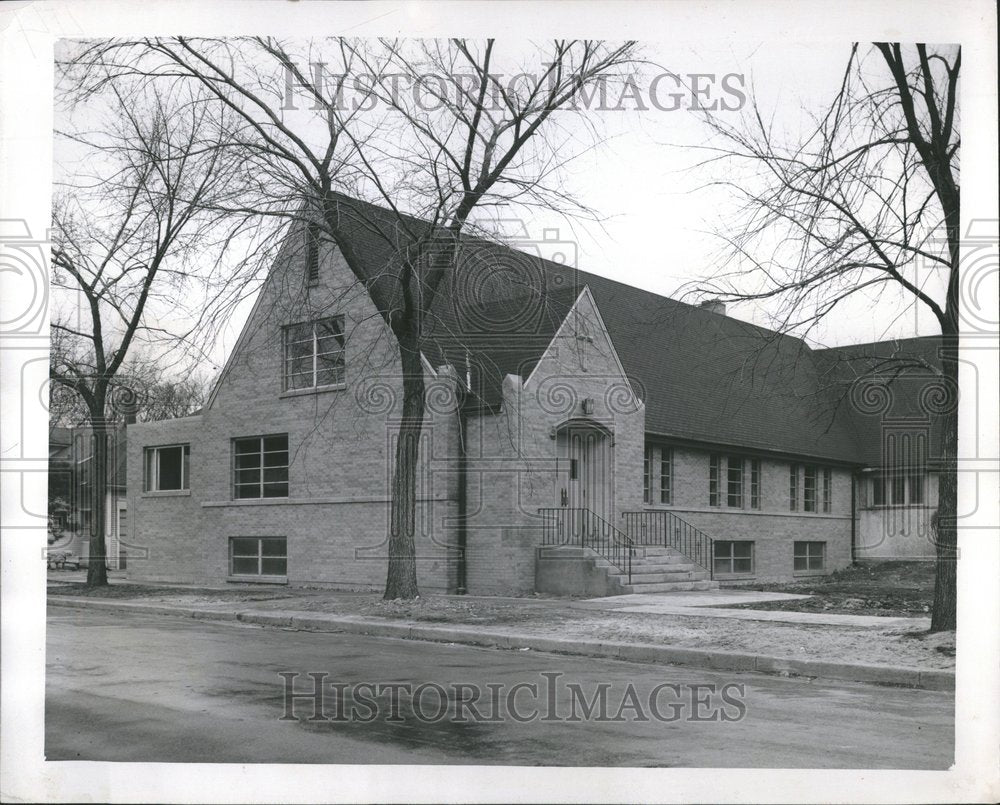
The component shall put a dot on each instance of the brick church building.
(581, 436)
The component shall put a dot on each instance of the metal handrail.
(664, 528)
(583, 527)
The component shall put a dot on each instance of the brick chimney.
(714, 306)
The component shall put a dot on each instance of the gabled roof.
(703, 376)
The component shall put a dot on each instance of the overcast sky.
(658, 227)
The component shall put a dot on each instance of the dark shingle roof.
(704, 377)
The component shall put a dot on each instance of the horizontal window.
(166, 468)
(258, 556)
(903, 489)
(260, 467)
(809, 556)
(732, 556)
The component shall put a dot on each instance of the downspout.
(462, 532)
(854, 517)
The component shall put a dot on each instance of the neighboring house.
(71, 495)
(562, 408)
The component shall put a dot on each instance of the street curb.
(897, 676)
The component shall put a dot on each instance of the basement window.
(258, 558)
(809, 556)
(732, 557)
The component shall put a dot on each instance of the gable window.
(730, 556)
(166, 468)
(314, 354)
(260, 467)
(312, 254)
(754, 483)
(827, 489)
(713, 479)
(647, 459)
(793, 487)
(808, 556)
(666, 475)
(734, 482)
(809, 488)
(265, 557)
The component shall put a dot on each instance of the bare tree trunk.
(943, 613)
(97, 568)
(401, 578)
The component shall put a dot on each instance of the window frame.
(735, 463)
(714, 499)
(827, 490)
(261, 452)
(151, 467)
(810, 502)
(287, 359)
(803, 549)
(793, 487)
(755, 483)
(260, 575)
(666, 476)
(895, 490)
(647, 461)
(732, 557)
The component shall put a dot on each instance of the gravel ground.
(553, 618)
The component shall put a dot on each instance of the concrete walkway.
(714, 603)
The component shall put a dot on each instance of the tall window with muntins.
(734, 482)
(314, 354)
(732, 556)
(260, 467)
(312, 253)
(258, 556)
(827, 489)
(647, 459)
(808, 556)
(754, 483)
(166, 468)
(666, 475)
(793, 487)
(915, 487)
(713, 479)
(809, 488)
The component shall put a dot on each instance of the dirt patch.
(888, 589)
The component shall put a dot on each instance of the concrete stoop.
(572, 570)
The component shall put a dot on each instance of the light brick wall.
(341, 453)
(514, 468)
(773, 528)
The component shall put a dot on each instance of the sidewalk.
(677, 632)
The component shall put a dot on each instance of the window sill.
(257, 579)
(167, 493)
(897, 506)
(312, 390)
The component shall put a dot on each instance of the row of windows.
(736, 482)
(736, 557)
(260, 467)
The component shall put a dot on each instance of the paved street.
(142, 688)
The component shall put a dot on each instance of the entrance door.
(585, 470)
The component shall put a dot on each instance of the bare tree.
(866, 202)
(128, 238)
(433, 132)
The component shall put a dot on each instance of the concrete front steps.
(571, 570)
(660, 570)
